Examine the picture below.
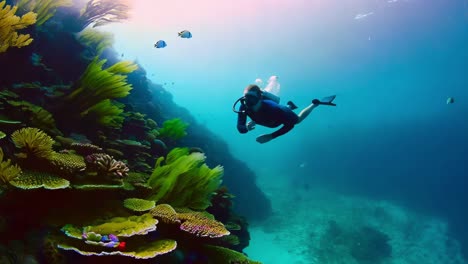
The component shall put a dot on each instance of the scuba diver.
(263, 108)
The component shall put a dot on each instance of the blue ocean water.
(392, 65)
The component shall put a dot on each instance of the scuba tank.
(269, 96)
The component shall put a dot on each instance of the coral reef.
(184, 180)
(10, 23)
(86, 146)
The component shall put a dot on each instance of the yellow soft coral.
(34, 142)
(45, 9)
(7, 171)
(10, 23)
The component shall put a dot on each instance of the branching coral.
(8, 172)
(105, 164)
(102, 12)
(45, 9)
(34, 142)
(184, 180)
(10, 23)
(173, 129)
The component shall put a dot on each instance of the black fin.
(291, 105)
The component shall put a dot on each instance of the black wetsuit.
(271, 115)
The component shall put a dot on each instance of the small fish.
(361, 16)
(450, 100)
(160, 44)
(122, 55)
(185, 34)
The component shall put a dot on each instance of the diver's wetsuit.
(270, 114)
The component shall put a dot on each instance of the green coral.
(36, 116)
(35, 180)
(106, 113)
(173, 129)
(125, 226)
(2, 134)
(138, 205)
(95, 41)
(218, 254)
(34, 142)
(8, 172)
(96, 87)
(184, 180)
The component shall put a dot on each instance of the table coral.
(138, 205)
(34, 180)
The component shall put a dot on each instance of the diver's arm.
(241, 119)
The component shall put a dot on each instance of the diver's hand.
(264, 138)
(250, 125)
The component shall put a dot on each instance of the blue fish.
(160, 44)
(185, 34)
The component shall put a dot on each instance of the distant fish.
(450, 100)
(160, 44)
(361, 16)
(302, 165)
(392, 1)
(185, 34)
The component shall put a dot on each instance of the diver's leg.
(305, 112)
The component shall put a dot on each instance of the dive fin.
(291, 105)
(328, 100)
